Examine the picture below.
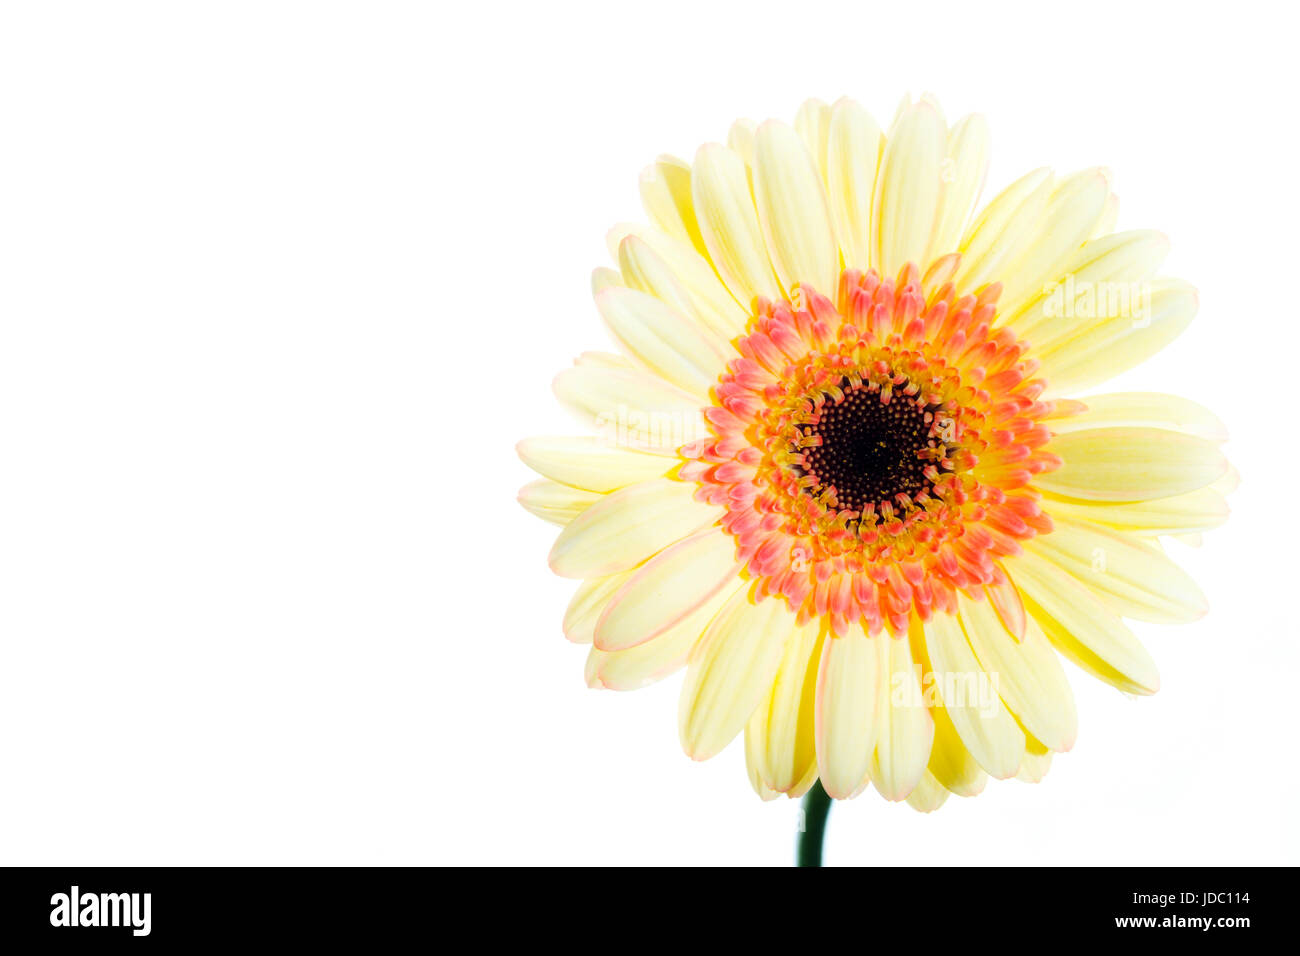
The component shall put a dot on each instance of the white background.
(282, 284)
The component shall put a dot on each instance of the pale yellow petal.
(1143, 410)
(625, 528)
(554, 502)
(961, 175)
(1073, 210)
(630, 408)
(1029, 675)
(1003, 230)
(588, 463)
(853, 156)
(982, 721)
(1133, 577)
(1081, 627)
(647, 271)
(668, 342)
(666, 196)
(792, 210)
(588, 603)
(1131, 464)
(729, 224)
(753, 749)
(664, 654)
(730, 671)
(907, 188)
(905, 729)
(849, 685)
(928, 796)
(1036, 763)
(671, 585)
(783, 723)
(812, 123)
(1195, 511)
(951, 764)
(603, 278)
(691, 269)
(1116, 343)
(1105, 277)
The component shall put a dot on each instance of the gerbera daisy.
(837, 473)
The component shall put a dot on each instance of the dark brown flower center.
(870, 451)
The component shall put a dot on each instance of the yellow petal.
(853, 156)
(630, 408)
(783, 723)
(1104, 276)
(672, 584)
(1115, 343)
(1081, 627)
(729, 224)
(848, 689)
(962, 177)
(1131, 464)
(982, 721)
(812, 123)
(668, 342)
(603, 278)
(1073, 210)
(1133, 578)
(625, 528)
(753, 760)
(664, 654)
(907, 188)
(691, 269)
(666, 196)
(905, 729)
(588, 463)
(792, 210)
(928, 796)
(1003, 230)
(951, 764)
(1195, 511)
(1030, 679)
(588, 604)
(556, 503)
(1037, 761)
(647, 271)
(1143, 410)
(730, 671)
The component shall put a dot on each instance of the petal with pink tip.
(627, 527)
(675, 582)
(554, 502)
(664, 654)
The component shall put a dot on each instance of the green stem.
(816, 808)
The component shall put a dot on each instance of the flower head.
(837, 473)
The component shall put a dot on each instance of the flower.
(837, 473)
